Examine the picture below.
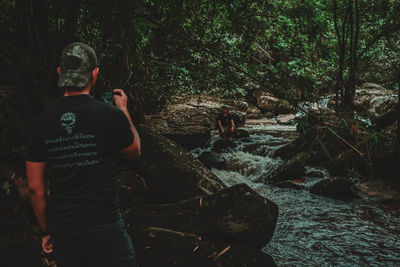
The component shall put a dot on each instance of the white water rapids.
(311, 230)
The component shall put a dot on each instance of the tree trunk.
(341, 38)
(354, 28)
(397, 68)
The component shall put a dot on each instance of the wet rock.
(267, 102)
(334, 187)
(172, 173)
(190, 137)
(292, 169)
(287, 119)
(158, 247)
(375, 99)
(253, 112)
(347, 161)
(283, 107)
(316, 172)
(289, 184)
(189, 120)
(258, 148)
(383, 104)
(234, 214)
(235, 104)
(241, 133)
(286, 151)
(379, 190)
(212, 160)
(304, 143)
(373, 86)
(269, 115)
(222, 145)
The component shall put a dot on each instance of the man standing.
(226, 125)
(79, 139)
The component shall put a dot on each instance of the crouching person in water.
(226, 125)
(80, 139)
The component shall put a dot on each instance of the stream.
(311, 230)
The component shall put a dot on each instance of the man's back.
(80, 139)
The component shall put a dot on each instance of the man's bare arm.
(133, 151)
(36, 181)
(220, 126)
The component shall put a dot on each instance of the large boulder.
(189, 121)
(171, 172)
(334, 187)
(286, 119)
(222, 145)
(289, 185)
(190, 136)
(375, 99)
(241, 133)
(253, 112)
(345, 161)
(283, 107)
(212, 160)
(294, 168)
(237, 214)
(158, 247)
(267, 102)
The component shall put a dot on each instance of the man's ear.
(59, 70)
(94, 74)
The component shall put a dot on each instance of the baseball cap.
(77, 63)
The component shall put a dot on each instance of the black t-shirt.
(80, 139)
(225, 120)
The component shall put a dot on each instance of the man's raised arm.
(121, 100)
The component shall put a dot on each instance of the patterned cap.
(77, 63)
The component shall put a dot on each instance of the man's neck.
(84, 91)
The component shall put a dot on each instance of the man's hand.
(222, 130)
(120, 98)
(47, 245)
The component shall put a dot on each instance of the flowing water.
(311, 230)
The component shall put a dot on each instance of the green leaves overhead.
(225, 48)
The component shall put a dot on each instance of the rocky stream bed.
(271, 198)
(314, 230)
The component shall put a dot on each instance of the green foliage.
(353, 174)
(222, 48)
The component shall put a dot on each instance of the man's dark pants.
(107, 245)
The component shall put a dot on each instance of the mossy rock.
(292, 169)
(334, 187)
(236, 214)
(160, 247)
(171, 172)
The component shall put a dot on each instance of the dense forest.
(298, 50)
(225, 48)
